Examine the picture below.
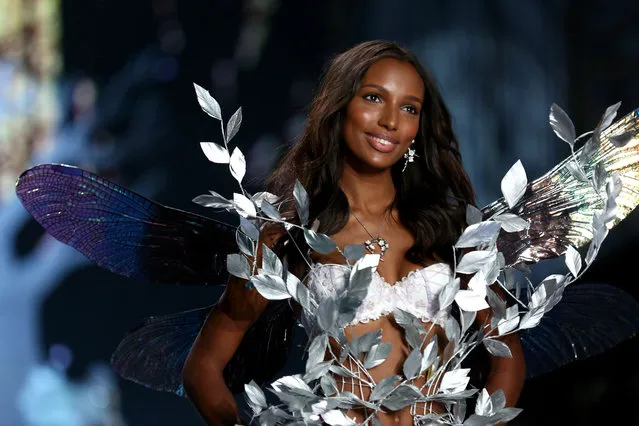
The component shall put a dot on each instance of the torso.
(392, 269)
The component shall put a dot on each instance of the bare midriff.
(394, 334)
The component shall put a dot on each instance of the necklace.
(381, 242)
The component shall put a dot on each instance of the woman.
(381, 165)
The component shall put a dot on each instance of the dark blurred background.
(107, 85)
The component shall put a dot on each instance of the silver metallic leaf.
(562, 124)
(622, 140)
(478, 420)
(402, 397)
(270, 287)
(455, 380)
(498, 399)
(321, 243)
(249, 229)
(496, 303)
(511, 222)
(233, 124)
(473, 215)
(238, 165)
(207, 102)
(452, 329)
(447, 295)
(270, 210)
(477, 234)
(301, 202)
(367, 340)
(412, 364)
(429, 355)
(327, 313)
(608, 117)
(377, 355)
(573, 261)
(484, 404)
(413, 327)
(258, 197)
(294, 383)
(238, 266)
(497, 348)
(243, 205)
(513, 184)
(255, 396)
(475, 260)
(317, 350)
(471, 301)
(467, 319)
(244, 243)
(215, 153)
(271, 264)
(383, 388)
(576, 171)
(317, 371)
(337, 418)
(302, 295)
(341, 371)
(531, 318)
(354, 251)
(214, 200)
(329, 385)
(600, 175)
(510, 321)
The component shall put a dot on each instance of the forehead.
(395, 74)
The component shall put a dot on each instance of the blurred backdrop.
(107, 85)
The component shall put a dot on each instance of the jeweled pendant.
(382, 243)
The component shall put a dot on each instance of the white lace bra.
(416, 293)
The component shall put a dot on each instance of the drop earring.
(410, 155)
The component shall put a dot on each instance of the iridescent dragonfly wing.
(123, 231)
(153, 354)
(590, 319)
(560, 208)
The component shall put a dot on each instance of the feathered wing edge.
(560, 207)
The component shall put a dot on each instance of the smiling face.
(383, 117)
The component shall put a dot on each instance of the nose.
(389, 118)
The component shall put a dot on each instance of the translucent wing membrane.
(124, 232)
(589, 319)
(560, 207)
(153, 354)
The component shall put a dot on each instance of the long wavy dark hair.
(431, 195)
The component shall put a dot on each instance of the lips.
(381, 143)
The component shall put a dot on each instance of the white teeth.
(382, 141)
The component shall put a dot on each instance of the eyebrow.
(383, 89)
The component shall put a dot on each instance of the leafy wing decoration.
(589, 319)
(124, 232)
(559, 206)
(153, 354)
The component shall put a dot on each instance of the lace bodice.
(416, 293)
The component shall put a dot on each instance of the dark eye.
(411, 109)
(373, 97)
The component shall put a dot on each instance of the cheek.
(359, 117)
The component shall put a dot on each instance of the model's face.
(383, 117)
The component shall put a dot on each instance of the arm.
(222, 333)
(507, 374)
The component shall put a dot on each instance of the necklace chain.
(381, 242)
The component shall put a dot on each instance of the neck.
(367, 192)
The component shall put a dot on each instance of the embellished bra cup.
(416, 293)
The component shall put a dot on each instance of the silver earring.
(410, 155)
